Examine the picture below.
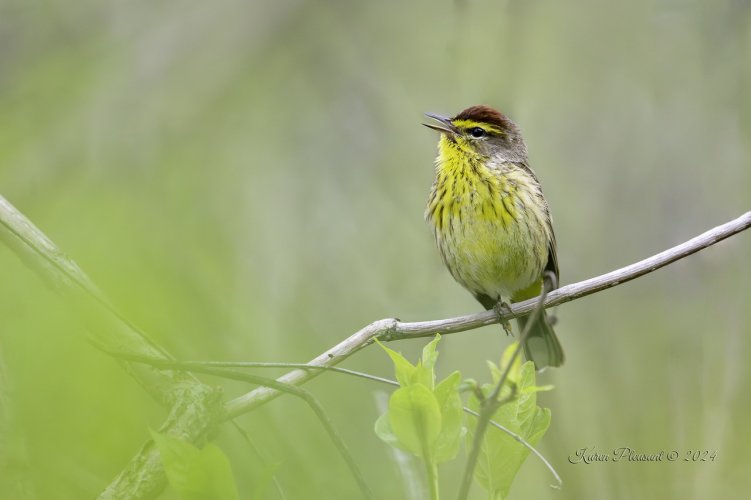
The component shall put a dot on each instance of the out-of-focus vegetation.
(246, 181)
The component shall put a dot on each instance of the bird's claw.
(502, 309)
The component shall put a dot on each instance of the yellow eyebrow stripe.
(471, 123)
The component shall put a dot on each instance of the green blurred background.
(246, 181)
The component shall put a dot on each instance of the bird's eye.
(477, 132)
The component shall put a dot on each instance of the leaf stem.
(432, 470)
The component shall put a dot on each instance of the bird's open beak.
(444, 124)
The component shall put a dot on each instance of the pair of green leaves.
(423, 418)
(426, 419)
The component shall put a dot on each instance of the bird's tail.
(541, 345)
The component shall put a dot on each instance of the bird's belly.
(491, 253)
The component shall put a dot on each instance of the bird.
(491, 221)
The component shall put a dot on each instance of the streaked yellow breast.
(489, 220)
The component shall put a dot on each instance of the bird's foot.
(502, 309)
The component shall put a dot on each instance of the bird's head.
(480, 131)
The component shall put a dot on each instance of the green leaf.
(495, 372)
(425, 370)
(423, 419)
(452, 418)
(195, 473)
(423, 375)
(415, 418)
(513, 375)
(526, 402)
(501, 456)
(383, 430)
(429, 353)
(403, 369)
(537, 388)
(448, 387)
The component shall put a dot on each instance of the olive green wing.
(552, 265)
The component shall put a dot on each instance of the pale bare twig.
(393, 329)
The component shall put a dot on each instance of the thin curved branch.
(393, 329)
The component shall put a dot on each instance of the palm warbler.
(491, 221)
